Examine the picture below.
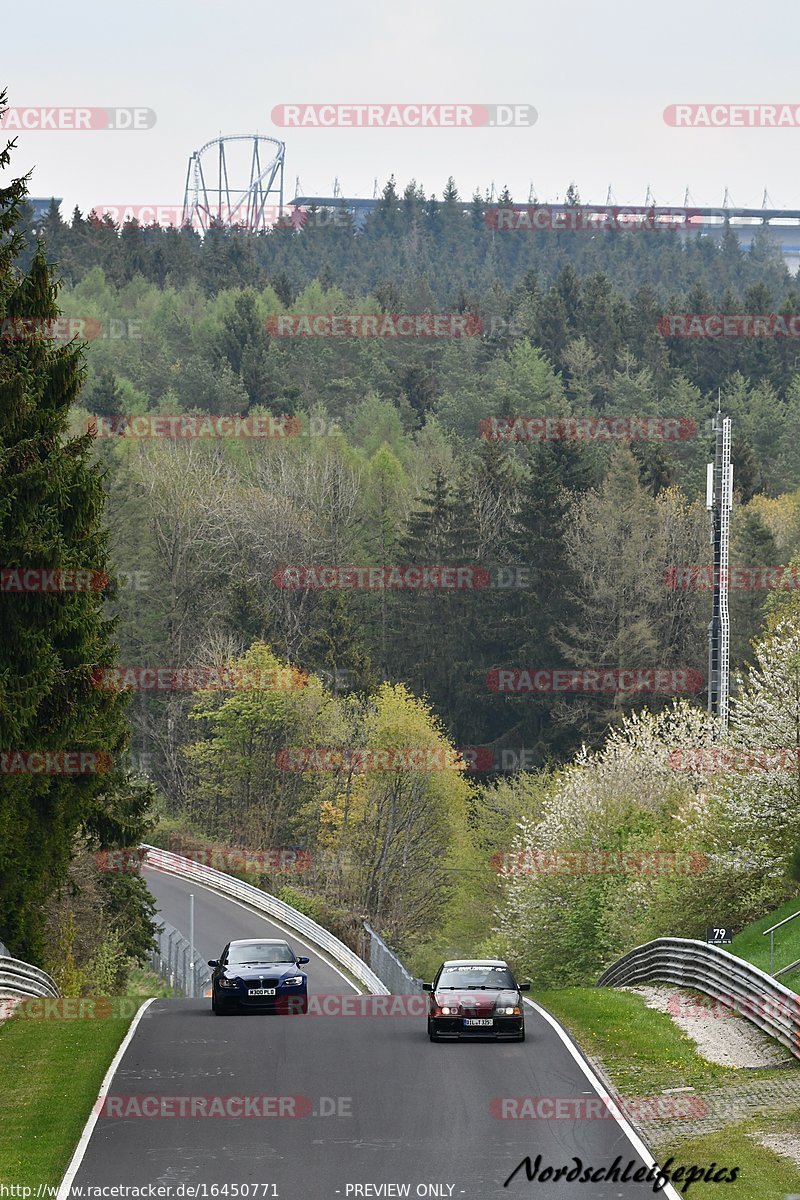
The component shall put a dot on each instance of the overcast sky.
(599, 75)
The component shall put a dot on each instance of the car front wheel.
(217, 1010)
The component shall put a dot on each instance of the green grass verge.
(762, 1173)
(52, 1071)
(143, 983)
(643, 1051)
(751, 944)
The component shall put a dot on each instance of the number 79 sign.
(719, 935)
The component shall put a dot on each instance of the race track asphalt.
(367, 1099)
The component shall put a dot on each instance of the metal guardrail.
(388, 967)
(172, 960)
(735, 983)
(226, 885)
(19, 979)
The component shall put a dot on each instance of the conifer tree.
(753, 545)
(51, 641)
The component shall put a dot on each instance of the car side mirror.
(427, 987)
(302, 961)
(524, 987)
(213, 962)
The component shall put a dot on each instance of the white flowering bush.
(761, 801)
(646, 838)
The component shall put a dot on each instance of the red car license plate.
(478, 1021)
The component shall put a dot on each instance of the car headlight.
(292, 981)
(449, 1010)
(509, 1012)
(228, 983)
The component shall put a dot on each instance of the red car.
(476, 998)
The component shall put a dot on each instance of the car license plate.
(261, 992)
(478, 1021)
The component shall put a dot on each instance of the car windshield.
(476, 977)
(255, 953)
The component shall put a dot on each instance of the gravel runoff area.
(787, 1144)
(725, 1038)
(721, 1035)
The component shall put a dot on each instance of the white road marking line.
(619, 1117)
(80, 1149)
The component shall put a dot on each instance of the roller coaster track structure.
(206, 204)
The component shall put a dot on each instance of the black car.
(476, 998)
(262, 975)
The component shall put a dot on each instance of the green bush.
(309, 906)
